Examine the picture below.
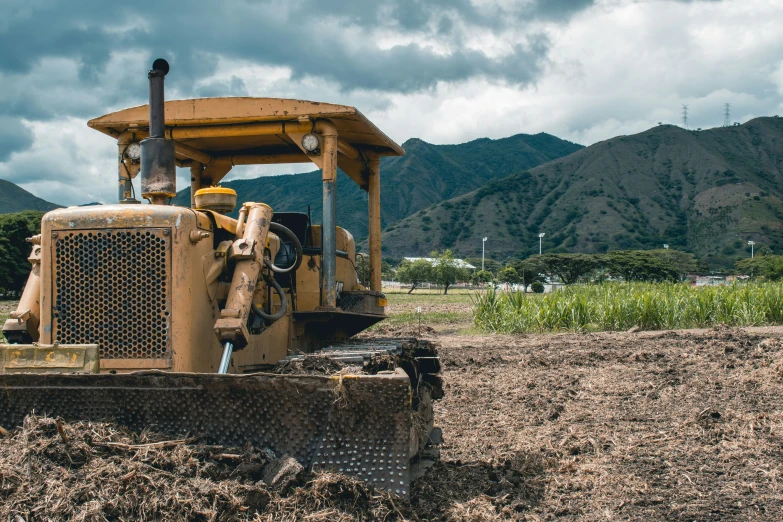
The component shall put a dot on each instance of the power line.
(726, 114)
(685, 116)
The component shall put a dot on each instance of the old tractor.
(159, 316)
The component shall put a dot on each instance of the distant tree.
(446, 271)
(537, 287)
(14, 250)
(568, 267)
(387, 271)
(481, 276)
(638, 265)
(7, 268)
(415, 273)
(768, 267)
(528, 270)
(508, 275)
(683, 262)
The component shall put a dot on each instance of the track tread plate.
(356, 425)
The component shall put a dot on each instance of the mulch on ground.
(624, 426)
(602, 426)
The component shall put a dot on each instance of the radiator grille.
(112, 288)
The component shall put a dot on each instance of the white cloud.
(68, 163)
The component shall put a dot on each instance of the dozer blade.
(357, 425)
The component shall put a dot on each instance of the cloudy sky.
(446, 71)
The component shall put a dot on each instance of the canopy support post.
(329, 221)
(374, 218)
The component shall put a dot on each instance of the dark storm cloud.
(309, 39)
(308, 36)
(559, 9)
(314, 38)
(13, 136)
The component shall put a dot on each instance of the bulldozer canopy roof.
(226, 128)
(352, 126)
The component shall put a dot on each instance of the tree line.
(444, 269)
(14, 250)
(629, 265)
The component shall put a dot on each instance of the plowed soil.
(612, 426)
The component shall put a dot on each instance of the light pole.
(483, 241)
(540, 237)
(751, 243)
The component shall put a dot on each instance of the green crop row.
(621, 306)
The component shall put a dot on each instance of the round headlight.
(133, 151)
(310, 142)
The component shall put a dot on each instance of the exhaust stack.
(158, 168)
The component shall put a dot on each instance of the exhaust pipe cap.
(161, 65)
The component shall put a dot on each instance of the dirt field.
(642, 426)
(606, 426)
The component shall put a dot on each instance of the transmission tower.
(685, 116)
(726, 114)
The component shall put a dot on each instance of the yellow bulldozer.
(177, 319)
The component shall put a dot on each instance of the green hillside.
(15, 199)
(703, 191)
(427, 174)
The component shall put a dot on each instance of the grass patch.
(6, 307)
(427, 319)
(621, 306)
(414, 299)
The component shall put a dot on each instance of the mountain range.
(707, 192)
(14, 198)
(427, 174)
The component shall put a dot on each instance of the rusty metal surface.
(158, 169)
(361, 302)
(357, 425)
(232, 324)
(112, 287)
(42, 358)
(374, 220)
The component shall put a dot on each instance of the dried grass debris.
(85, 471)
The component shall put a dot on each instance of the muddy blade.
(356, 425)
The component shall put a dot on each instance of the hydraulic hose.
(280, 230)
(283, 303)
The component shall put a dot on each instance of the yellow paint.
(222, 132)
(216, 190)
(216, 134)
(36, 358)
